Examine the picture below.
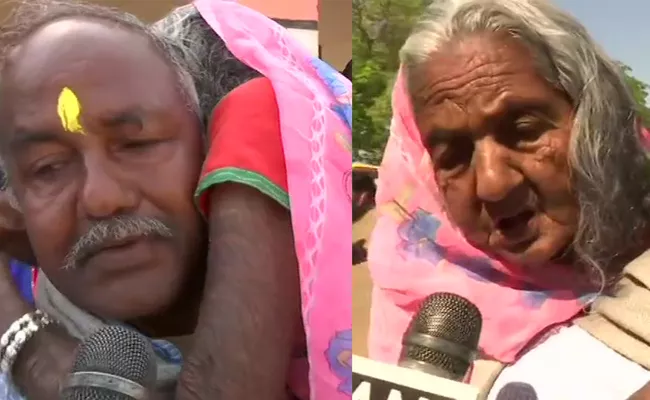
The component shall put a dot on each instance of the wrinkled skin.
(139, 156)
(498, 136)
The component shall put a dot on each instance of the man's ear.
(14, 241)
(11, 216)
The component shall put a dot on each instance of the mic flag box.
(372, 380)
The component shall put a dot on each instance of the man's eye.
(49, 171)
(140, 144)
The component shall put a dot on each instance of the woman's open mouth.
(512, 224)
(516, 231)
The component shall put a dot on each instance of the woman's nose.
(495, 177)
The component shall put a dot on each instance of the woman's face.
(498, 135)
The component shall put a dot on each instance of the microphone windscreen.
(118, 351)
(517, 391)
(451, 320)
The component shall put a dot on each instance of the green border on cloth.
(245, 177)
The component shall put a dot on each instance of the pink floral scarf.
(415, 251)
(315, 118)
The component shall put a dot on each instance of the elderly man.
(516, 176)
(113, 203)
(102, 138)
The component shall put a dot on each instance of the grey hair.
(609, 168)
(214, 69)
(114, 229)
(30, 15)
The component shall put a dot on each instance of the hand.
(642, 394)
(13, 237)
(359, 252)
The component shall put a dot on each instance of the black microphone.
(442, 339)
(114, 363)
(517, 391)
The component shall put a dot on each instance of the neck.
(180, 319)
(611, 267)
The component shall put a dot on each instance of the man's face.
(498, 135)
(113, 201)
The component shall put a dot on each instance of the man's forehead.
(75, 46)
(110, 68)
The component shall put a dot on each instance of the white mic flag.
(373, 380)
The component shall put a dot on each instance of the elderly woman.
(516, 175)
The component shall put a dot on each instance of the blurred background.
(324, 26)
(380, 27)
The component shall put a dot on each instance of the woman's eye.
(457, 153)
(529, 130)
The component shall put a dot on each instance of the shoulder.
(246, 143)
(255, 98)
(571, 364)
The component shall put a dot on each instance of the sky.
(621, 27)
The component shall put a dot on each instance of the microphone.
(438, 348)
(517, 391)
(442, 339)
(114, 363)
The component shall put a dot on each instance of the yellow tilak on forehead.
(69, 110)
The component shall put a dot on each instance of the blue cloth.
(22, 274)
(7, 390)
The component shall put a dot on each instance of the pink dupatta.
(315, 118)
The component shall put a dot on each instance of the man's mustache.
(104, 233)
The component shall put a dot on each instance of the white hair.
(214, 70)
(609, 168)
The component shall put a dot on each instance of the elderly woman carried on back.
(516, 175)
(132, 153)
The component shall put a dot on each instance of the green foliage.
(379, 28)
(640, 92)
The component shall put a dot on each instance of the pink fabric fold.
(314, 102)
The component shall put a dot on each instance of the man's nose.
(495, 177)
(105, 193)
